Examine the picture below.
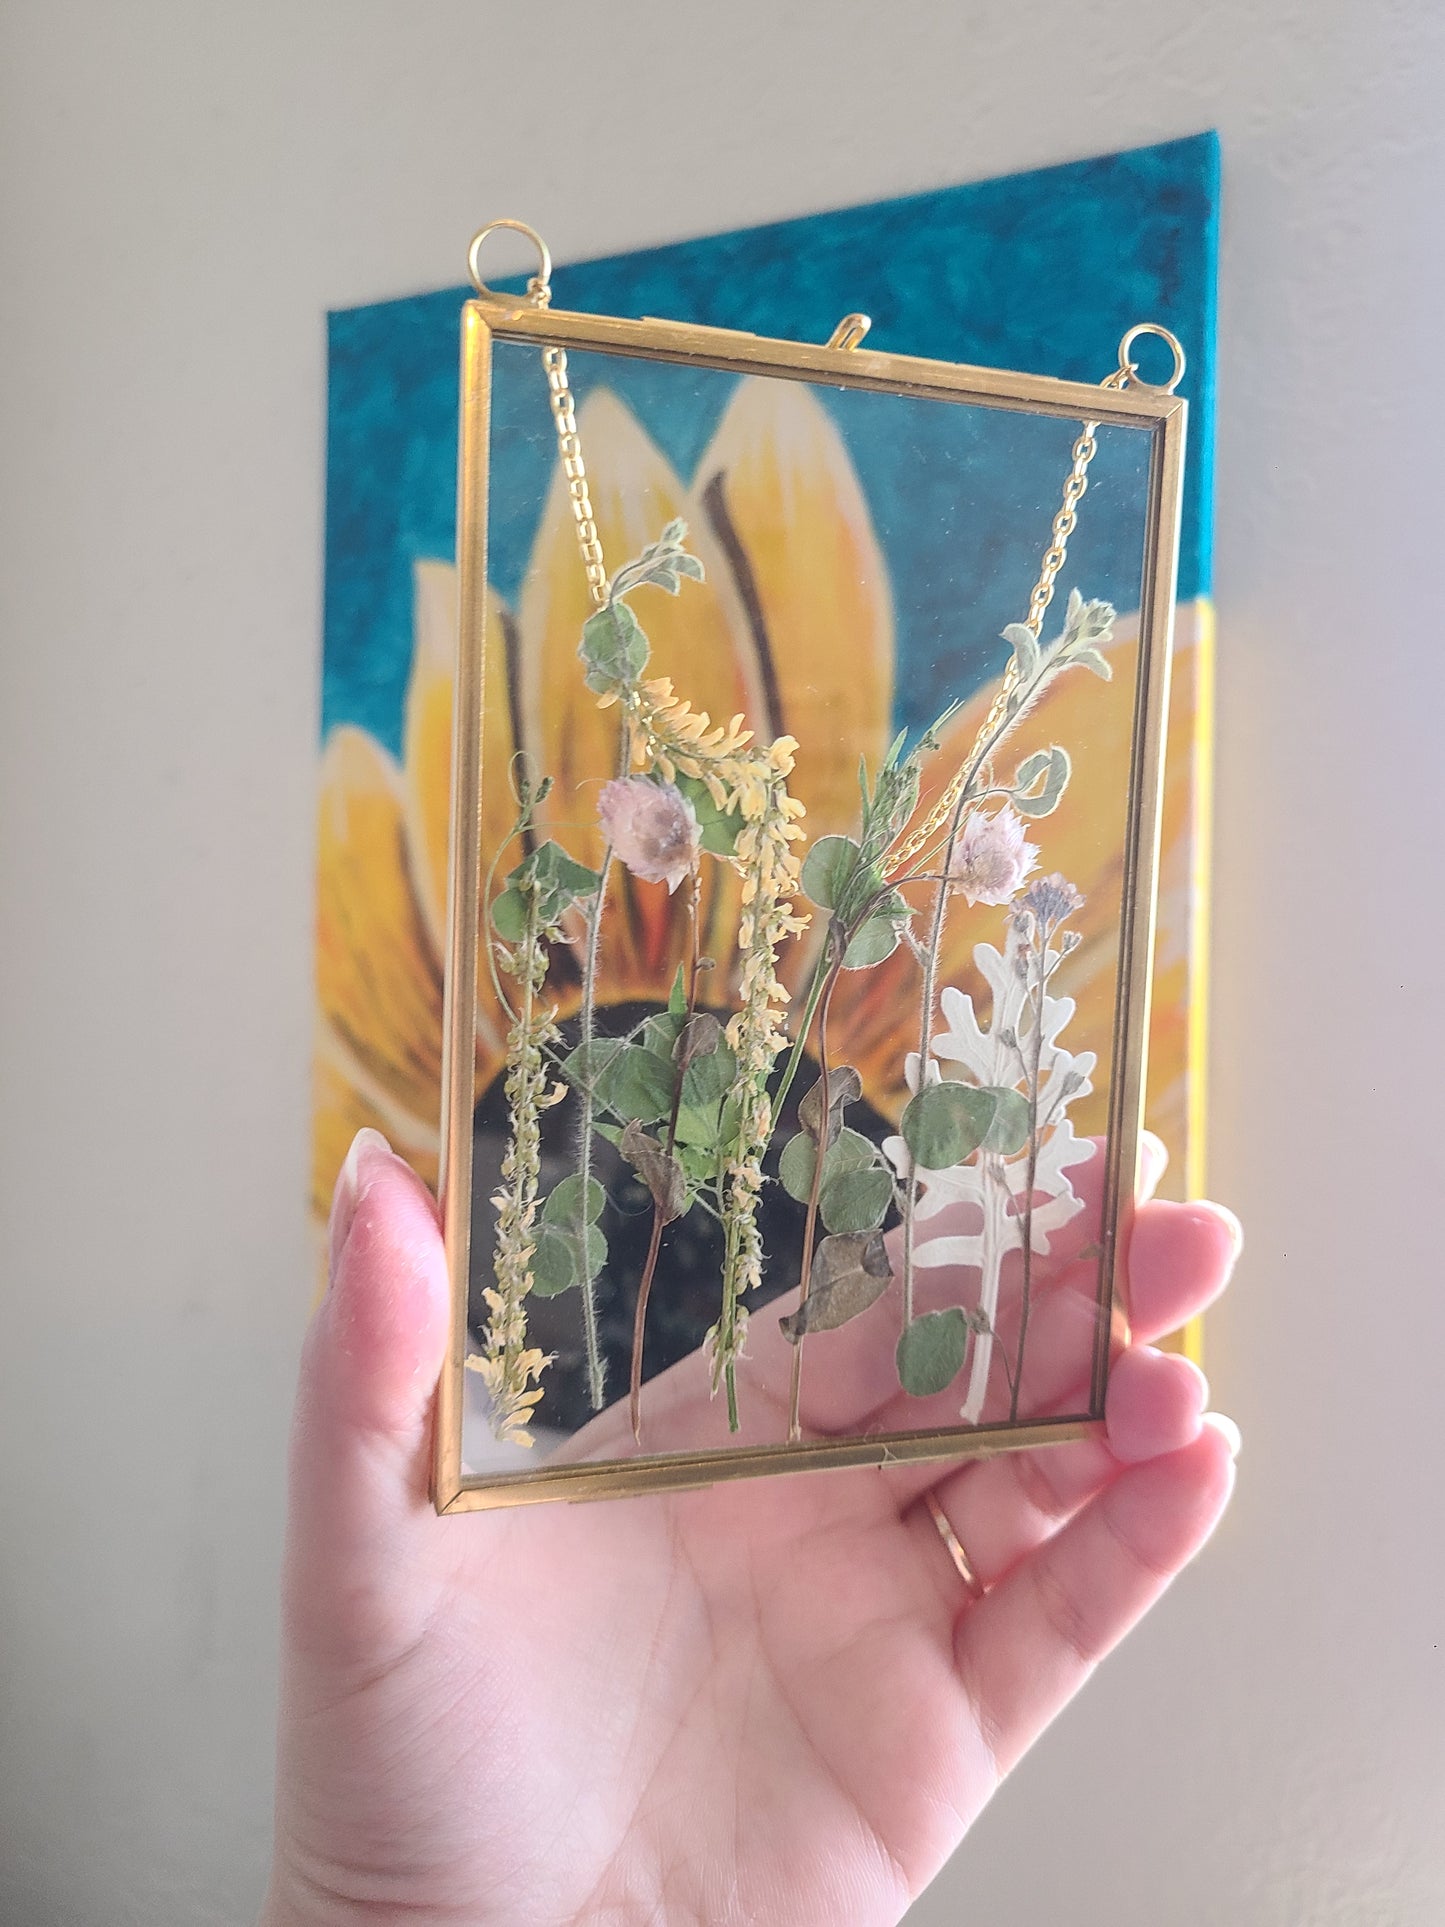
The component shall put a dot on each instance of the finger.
(850, 1379)
(849, 1375)
(1180, 1258)
(369, 1367)
(1002, 1509)
(1027, 1646)
(1177, 1261)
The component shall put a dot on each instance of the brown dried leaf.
(663, 1175)
(845, 1087)
(700, 1037)
(850, 1272)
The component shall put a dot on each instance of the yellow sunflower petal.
(378, 976)
(781, 496)
(339, 1110)
(427, 736)
(427, 767)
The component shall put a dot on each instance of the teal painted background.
(1042, 271)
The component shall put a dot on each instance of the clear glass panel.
(860, 554)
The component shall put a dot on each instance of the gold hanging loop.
(850, 331)
(559, 395)
(539, 288)
(1127, 375)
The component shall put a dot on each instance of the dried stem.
(1036, 1052)
(654, 1247)
(810, 1228)
(596, 1367)
(925, 1034)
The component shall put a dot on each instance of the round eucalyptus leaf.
(795, 1166)
(931, 1352)
(871, 942)
(637, 1083)
(854, 1200)
(851, 1152)
(565, 1257)
(564, 1202)
(827, 867)
(1009, 1130)
(945, 1123)
(613, 647)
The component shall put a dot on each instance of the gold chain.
(569, 444)
(1084, 451)
(1065, 522)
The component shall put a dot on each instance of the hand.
(771, 1700)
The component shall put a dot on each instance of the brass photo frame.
(508, 341)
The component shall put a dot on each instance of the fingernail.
(1201, 1381)
(1153, 1161)
(1231, 1224)
(1227, 1430)
(347, 1195)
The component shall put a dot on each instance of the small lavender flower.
(991, 858)
(652, 828)
(1052, 900)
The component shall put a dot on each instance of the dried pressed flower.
(991, 858)
(651, 827)
(1050, 901)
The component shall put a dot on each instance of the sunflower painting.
(729, 859)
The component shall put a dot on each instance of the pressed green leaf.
(796, 1165)
(827, 869)
(879, 936)
(1091, 659)
(708, 1079)
(1026, 649)
(509, 915)
(945, 1123)
(718, 830)
(564, 1202)
(614, 648)
(1008, 1131)
(637, 1083)
(851, 1152)
(1040, 780)
(551, 867)
(931, 1352)
(661, 1031)
(855, 1200)
(850, 1273)
(699, 1161)
(585, 1065)
(677, 996)
(566, 1256)
(697, 1124)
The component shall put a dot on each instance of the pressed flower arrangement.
(678, 1221)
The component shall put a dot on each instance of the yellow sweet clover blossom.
(749, 780)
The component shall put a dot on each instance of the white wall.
(185, 189)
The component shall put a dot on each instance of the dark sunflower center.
(687, 1291)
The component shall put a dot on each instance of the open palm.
(771, 1701)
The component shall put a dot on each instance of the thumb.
(359, 1515)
